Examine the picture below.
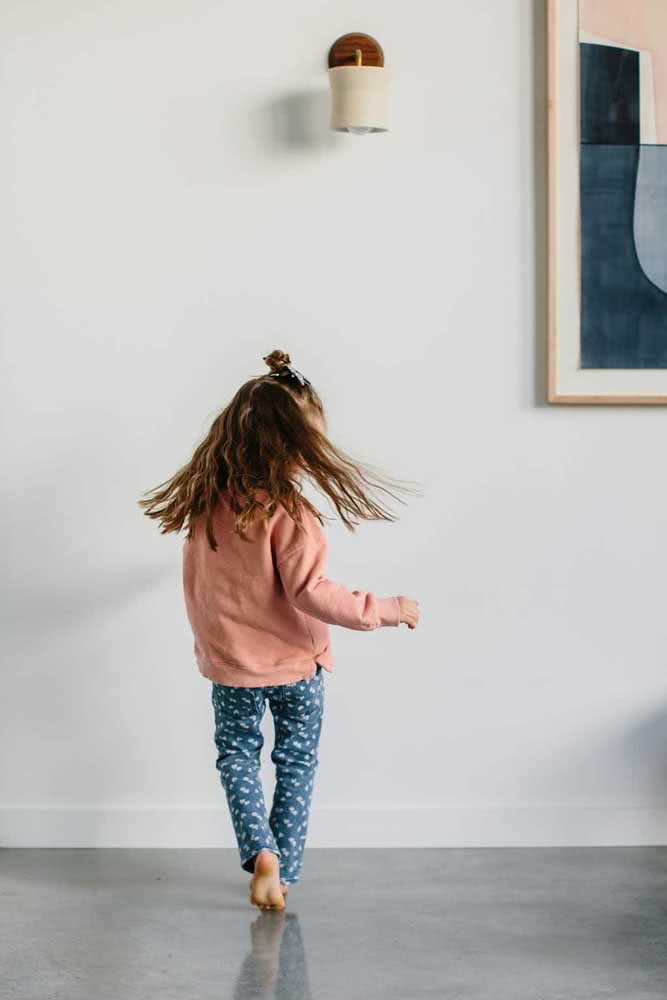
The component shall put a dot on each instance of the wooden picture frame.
(568, 381)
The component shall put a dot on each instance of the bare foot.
(265, 889)
(284, 888)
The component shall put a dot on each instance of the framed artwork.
(607, 201)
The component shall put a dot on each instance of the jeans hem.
(248, 863)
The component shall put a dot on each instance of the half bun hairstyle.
(269, 437)
(281, 366)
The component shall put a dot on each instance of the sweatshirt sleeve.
(301, 565)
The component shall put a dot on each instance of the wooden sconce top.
(343, 52)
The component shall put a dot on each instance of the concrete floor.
(576, 924)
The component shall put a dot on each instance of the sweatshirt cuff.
(390, 611)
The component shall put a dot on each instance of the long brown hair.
(271, 433)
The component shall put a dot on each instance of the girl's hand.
(409, 612)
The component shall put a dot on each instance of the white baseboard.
(526, 826)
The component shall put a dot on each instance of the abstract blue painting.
(623, 203)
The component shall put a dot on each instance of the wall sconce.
(359, 85)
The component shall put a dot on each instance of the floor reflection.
(276, 965)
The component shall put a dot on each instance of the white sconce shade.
(359, 85)
(359, 99)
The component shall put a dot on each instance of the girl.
(259, 602)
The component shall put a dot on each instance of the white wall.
(173, 207)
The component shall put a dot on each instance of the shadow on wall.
(39, 607)
(76, 590)
(300, 121)
(645, 746)
(634, 758)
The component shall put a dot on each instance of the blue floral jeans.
(297, 714)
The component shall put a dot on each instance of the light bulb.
(359, 130)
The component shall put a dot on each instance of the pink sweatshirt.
(260, 609)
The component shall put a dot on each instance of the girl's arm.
(301, 567)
